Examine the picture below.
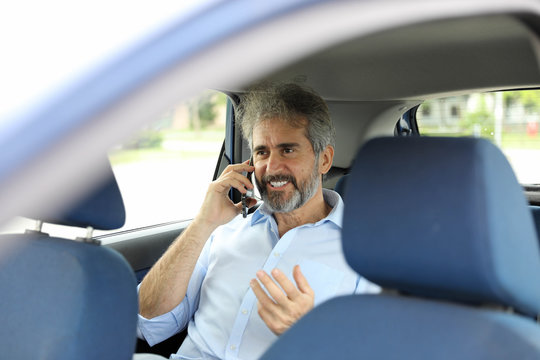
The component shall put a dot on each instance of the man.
(239, 283)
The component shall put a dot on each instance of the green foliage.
(521, 109)
(203, 110)
(479, 122)
(529, 99)
(207, 111)
(425, 109)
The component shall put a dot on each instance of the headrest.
(341, 184)
(102, 209)
(444, 218)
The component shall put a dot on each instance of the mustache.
(279, 177)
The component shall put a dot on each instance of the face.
(286, 168)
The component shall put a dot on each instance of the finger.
(286, 284)
(272, 320)
(301, 281)
(266, 315)
(275, 291)
(239, 168)
(243, 179)
(264, 300)
(235, 180)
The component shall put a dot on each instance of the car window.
(163, 172)
(510, 119)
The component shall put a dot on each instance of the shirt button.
(244, 311)
(233, 347)
(276, 254)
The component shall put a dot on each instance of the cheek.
(258, 171)
(303, 175)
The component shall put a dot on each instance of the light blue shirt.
(220, 306)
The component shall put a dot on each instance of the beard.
(277, 202)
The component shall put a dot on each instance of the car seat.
(443, 226)
(341, 185)
(536, 216)
(66, 299)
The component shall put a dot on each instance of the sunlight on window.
(164, 172)
(510, 119)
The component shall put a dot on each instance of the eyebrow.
(281, 146)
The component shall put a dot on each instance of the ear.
(325, 159)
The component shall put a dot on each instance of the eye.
(288, 150)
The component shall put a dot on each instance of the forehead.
(274, 131)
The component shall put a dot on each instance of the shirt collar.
(331, 197)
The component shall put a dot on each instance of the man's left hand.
(284, 307)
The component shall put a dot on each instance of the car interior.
(456, 248)
(370, 82)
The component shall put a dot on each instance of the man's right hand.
(165, 285)
(217, 208)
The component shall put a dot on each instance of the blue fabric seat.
(443, 226)
(66, 299)
(341, 185)
(536, 216)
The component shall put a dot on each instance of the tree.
(203, 109)
(480, 121)
(529, 99)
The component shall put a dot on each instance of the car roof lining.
(354, 76)
(415, 58)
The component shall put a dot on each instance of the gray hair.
(291, 103)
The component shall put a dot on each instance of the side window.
(510, 119)
(163, 172)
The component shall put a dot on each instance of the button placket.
(249, 300)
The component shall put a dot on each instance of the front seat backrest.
(443, 226)
(62, 299)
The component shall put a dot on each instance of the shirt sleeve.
(164, 326)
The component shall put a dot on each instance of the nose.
(274, 163)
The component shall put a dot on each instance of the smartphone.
(249, 193)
